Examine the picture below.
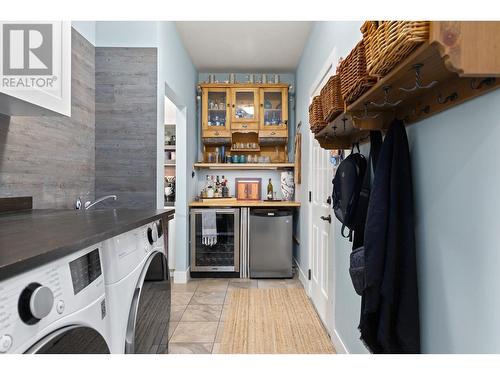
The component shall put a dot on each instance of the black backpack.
(351, 192)
(347, 185)
(351, 189)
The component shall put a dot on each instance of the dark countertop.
(29, 239)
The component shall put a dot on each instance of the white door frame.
(328, 69)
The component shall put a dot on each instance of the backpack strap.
(364, 196)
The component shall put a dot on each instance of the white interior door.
(321, 252)
(321, 228)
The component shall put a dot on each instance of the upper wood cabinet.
(245, 104)
(216, 109)
(273, 109)
(240, 110)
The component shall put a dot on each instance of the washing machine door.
(147, 329)
(74, 339)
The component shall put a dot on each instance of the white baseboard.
(302, 276)
(338, 344)
(181, 277)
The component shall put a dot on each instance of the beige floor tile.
(208, 298)
(176, 312)
(202, 313)
(195, 332)
(218, 336)
(210, 285)
(181, 298)
(190, 286)
(171, 328)
(190, 348)
(216, 348)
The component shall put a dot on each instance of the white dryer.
(57, 308)
(138, 290)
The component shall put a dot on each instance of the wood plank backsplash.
(126, 125)
(52, 158)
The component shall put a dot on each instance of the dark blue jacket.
(389, 313)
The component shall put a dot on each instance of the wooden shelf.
(170, 147)
(169, 163)
(245, 149)
(453, 86)
(243, 203)
(244, 166)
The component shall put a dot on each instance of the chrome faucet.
(89, 204)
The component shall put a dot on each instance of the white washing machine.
(57, 308)
(138, 290)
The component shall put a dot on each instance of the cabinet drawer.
(216, 133)
(273, 133)
(245, 126)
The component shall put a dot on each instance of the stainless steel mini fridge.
(271, 244)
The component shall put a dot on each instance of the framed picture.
(248, 189)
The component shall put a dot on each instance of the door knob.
(329, 200)
(327, 218)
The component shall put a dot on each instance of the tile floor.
(198, 311)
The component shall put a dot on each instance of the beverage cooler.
(223, 256)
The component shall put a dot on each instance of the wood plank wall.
(126, 122)
(52, 158)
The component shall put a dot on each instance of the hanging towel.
(389, 308)
(208, 227)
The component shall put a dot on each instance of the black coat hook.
(344, 119)
(484, 82)
(418, 82)
(450, 98)
(386, 102)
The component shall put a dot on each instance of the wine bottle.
(270, 190)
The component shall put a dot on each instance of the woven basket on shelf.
(331, 99)
(388, 42)
(316, 118)
(354, 78)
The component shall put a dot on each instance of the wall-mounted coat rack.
(460, 61)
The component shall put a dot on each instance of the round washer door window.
(72, 340)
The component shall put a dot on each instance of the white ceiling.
(244, 47)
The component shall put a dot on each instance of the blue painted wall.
(456, 179)
(180, 77)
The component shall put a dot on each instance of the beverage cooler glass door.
(224, 256)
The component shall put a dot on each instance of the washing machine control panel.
(33, 302)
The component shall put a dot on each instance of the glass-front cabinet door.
(245, 105)
(274, 108)
(219, 252)
(215, 112)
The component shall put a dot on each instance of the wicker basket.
(331, 99)
(388, 42)
(354, 78)
(316, 119)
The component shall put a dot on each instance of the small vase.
(287, 185)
